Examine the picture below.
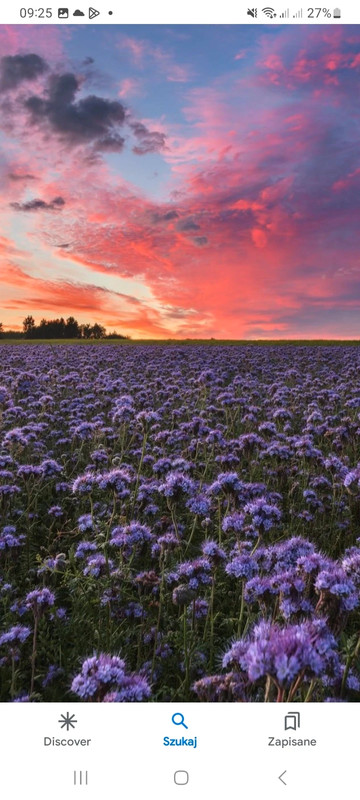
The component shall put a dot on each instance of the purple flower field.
(180, 523)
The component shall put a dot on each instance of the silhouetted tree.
(86, 331)
(1, 329)
(97, 331)
(72, 328)
(28, 326)
(9, 334)
(59, 329)
(116, 335)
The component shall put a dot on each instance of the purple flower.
(85, 484)
(97, 565)
(17, 634)
(351, 564)
(105, 674)
(53, 672)
(199, 608)
(116, 479)
(183, 594)
(258, 588)
(284, 653)
(134, 689)
(39, 600)
(199, 504)
(221, 688)
(335, 583)
(286, 554)
(176, 485)
(9, 539)
(85, 523)
(242, 566)
(214, 553)
(23, 698)
(233, 522)
(49, 467)
(9, 490)
(263, 514)
(164, 544)
(352, 479)
(130, 538)
(124, 409)
(227, 483)
(196, 572)
(56, 564)
(56, 511)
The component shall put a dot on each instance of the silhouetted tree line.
(59, 329)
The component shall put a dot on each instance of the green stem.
(158, 621)
(349, 661)
(242, 604)
(33, 655)
(12, 687)
(186, 652)
(310, 691)
(212, 598)
(191, 534)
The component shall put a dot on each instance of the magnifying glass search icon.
(178, 719)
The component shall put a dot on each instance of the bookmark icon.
(292, 721)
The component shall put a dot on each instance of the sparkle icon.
(67, 721)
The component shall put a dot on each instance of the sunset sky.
(186, 181)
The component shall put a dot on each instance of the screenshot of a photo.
(179, 364)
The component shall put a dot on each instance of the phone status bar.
(160, 12)
(314, 13)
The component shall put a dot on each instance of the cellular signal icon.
(269, 12)
(298, 14)
(252, 12)
(285, 14)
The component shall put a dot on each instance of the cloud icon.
(78, 13)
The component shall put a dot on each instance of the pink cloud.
(243, 238)
(318, 62)
(130, 87)
(143, 52)
(46, 40)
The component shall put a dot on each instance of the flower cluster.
(175, 503)
(103, 678)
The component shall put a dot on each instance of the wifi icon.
(269, 12)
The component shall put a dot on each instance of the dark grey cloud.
(170, 215)
(16, 69)
(187, 225)
(90, 119)
(78, 120)
(200, 241)
(18, 176)
(166, 217)
(39, 205)
(149, 141)
(113, 143)
(176, 312)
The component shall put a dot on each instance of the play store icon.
(93, 13)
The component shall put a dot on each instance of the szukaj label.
(167, 742)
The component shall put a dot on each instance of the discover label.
(49, 741)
